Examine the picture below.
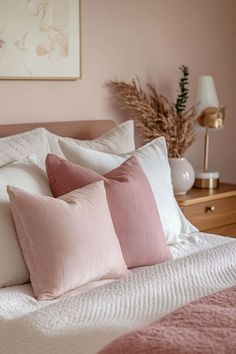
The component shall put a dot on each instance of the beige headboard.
(83, 129)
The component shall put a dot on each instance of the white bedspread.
(83, 322)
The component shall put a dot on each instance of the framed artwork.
(40, 39)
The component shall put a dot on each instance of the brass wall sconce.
(211, 117)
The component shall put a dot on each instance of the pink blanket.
(205, 326)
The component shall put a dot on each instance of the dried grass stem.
(154, 116)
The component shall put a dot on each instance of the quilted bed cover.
(207, 325)
(84, 321)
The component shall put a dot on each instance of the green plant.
(183, 95)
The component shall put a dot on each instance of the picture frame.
(40, 40)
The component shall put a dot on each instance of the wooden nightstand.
(213, 211)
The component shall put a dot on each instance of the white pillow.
(41, 142)
(27, 176)
(16, 147)
(154, 161)
(118, 140)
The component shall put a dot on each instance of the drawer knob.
(210, 209)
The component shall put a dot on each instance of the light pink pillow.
(66, 242)
(131, 202)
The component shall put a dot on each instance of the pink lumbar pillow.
(131, 202)
(68, 241)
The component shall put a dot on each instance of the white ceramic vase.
(182, 174)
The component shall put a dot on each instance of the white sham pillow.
(17, 147)
(31, 178)
(118, 140)
(154, 161)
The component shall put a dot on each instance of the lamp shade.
(206, 95)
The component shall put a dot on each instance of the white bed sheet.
(188, 245)
(85, 320)
(197, 242)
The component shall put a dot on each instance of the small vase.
(182, 174)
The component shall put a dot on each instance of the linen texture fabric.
(28, 176)
(154, 161)
(131, 202)
(68, 241)
(118, 140)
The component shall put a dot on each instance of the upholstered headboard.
(83, 129)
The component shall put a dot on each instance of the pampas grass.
(154, 116)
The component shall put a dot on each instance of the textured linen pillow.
(131, 202)
(17, 147)
(118, 140)
(154, 161)
(25, 175)
(68, 241)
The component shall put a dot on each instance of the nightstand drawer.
(212, 214)
(227, 230)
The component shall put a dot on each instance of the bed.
(88, 318)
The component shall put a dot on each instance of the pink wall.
(151, 39)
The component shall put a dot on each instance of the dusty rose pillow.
(66, 242)
(131, 202)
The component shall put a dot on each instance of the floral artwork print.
(39, 39)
